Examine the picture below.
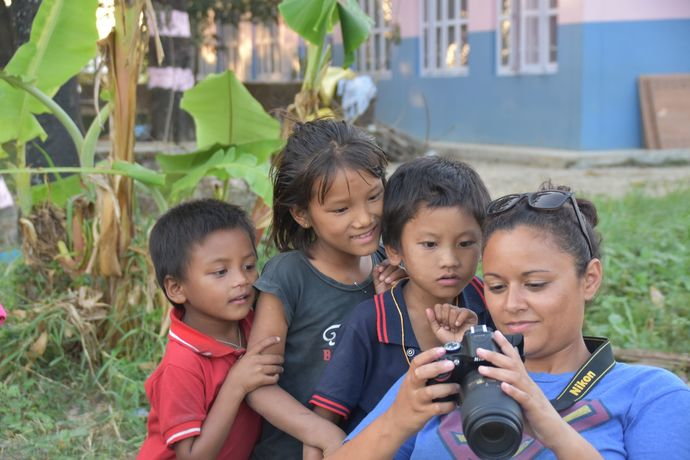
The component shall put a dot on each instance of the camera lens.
(492, 432)
(492, 420)
(494, 437)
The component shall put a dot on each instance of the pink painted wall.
(482, 15)
(483, 12)
(406, 13)
(634, 10)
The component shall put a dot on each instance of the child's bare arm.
(283, 411)
(251, 371)
(449, 322)
(314, 453)
(269, 321)
(272, 402)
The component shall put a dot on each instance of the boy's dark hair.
(434, 182)
(316, 151)
(182, 227)
(560, 223)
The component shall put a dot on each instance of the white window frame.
(431, 25)
(518, 18)
(269, 53)
(380, 11)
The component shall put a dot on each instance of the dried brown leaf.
(657, 297)
(39, 346)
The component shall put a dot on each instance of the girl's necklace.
(232, 344)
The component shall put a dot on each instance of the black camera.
(491, 420)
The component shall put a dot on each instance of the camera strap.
(601, 361)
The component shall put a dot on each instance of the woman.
(541, 262)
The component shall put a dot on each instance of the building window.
(527, 36)
(444, 46)
(269, 59)
(231, 37)
(374, 54)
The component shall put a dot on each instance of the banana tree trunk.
(125, 51)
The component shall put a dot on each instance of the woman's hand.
(541, 419)
(449, 322)
(385, 275)
(414, 405)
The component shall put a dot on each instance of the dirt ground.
(502, 179)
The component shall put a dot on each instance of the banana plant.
(313, 20)
(235, 140)
(62, 40)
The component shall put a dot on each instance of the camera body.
(492, 421)
(464, 354)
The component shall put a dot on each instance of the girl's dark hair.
(561, 224)
(188, 224)
(315, 152)
(434, 182)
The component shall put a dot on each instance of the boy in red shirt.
(205, 260)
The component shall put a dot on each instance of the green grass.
(645, 300)
(56, 406)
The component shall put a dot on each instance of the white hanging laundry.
(356, 94)
(5, 196)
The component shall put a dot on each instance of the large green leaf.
(355, 26)
(139, 172)
(58, 191)
(63, 39)
(311, 19)
(184, 172)
(262, 150)
(225, 113)
(191, 179)
(173, 163)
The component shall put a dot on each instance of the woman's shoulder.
(646, 373)
(646, 382)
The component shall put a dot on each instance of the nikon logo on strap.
(581, 384)
(588, 375)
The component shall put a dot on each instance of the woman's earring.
(402, 265)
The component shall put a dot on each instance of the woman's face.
(532, 288)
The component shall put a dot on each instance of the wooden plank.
(665, 105)
(646, 109)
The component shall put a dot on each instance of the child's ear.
(301, 217)
(394, 256)
(174, 290)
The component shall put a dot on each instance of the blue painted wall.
(482, 107)
(590, 103)
(617, 53)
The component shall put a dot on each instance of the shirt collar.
(388, 328)
(201, 343)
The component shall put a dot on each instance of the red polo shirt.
(183, 388)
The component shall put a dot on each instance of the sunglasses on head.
(547, 200)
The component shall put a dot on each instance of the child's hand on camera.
(449, 322)
(385, 275)
(254, 369)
